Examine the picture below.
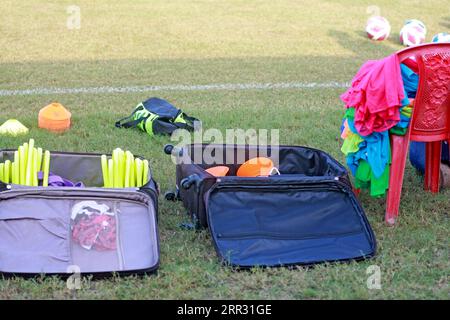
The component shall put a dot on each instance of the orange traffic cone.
(54, 117)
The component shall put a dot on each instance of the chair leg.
(399, 152)
(432, 166)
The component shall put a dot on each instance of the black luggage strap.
(188, 125)
(128, 122)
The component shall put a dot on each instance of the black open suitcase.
(308, 214)
(38, 224)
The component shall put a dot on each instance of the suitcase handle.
(187, 182)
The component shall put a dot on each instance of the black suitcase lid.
(287, 220)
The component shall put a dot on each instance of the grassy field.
(126, 43)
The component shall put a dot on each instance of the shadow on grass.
(445, 22)
(194, 71)
(361, 45)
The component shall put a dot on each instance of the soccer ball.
(413, 33)
(441, 37)
(378, 28)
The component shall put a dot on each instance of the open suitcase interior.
(99, 230)
(307, 214)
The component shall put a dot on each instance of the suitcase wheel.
(187, 182)
(168, 148)
(170, 196)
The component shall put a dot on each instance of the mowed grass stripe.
(195, 87)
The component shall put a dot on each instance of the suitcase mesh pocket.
(95, 240)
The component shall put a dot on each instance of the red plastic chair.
(430, 121)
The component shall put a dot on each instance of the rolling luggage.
(306, 215)
(100, 231)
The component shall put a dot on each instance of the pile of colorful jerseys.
(379, 102)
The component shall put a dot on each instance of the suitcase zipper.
(279, 236)
(330, 185)
(118, 238)
(78, 193)
(335, 182)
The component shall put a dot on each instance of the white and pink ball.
(378, 28)
(413, 33)
(442, 37)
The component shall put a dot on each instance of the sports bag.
(157, 116)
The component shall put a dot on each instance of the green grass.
(123, 43)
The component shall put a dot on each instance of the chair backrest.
(431, 116)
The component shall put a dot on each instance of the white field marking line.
(176, 87)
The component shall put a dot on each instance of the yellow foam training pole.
(138, 165)
(116, 168)
(2, 171)
(111, 173)
(127, 170)
(25, 146)
(13, 172)
(145, 170)
(16, 175)
(119, 168)
(7, 170)
(46, 168)
(132, 171)
(122, 165)
(35, 181)
(22, 165)
(30, 165)
(39, 159)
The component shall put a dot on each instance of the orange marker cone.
(54, 117)
(218, 171)
(255, 167)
